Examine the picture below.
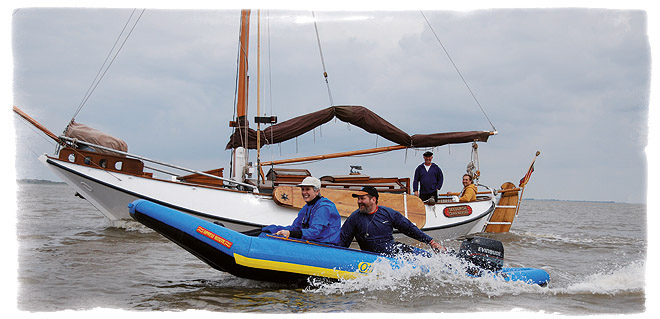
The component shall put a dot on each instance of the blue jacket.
(430, 181)
(319, 222)
(373, 232)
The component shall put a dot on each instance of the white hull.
(111, 192)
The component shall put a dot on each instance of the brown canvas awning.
(359, 116)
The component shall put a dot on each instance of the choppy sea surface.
(71, 258)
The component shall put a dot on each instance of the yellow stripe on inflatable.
(295, 268)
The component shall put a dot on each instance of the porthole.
(103, 163)
(118, 165)
(72, 158)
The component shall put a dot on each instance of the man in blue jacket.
(317, 221)
(429, 177)
(372, 226)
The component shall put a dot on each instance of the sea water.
(72, 258)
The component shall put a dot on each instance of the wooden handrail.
(499, 191)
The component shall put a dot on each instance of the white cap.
(311, 181)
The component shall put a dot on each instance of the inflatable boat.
(267, 257)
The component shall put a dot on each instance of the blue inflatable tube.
(272, 258)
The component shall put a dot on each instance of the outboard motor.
(482, 254)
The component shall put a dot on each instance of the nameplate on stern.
(457, 211)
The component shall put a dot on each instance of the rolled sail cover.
(357, 115)
(91, 135)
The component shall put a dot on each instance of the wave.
(628, 278)
(534, 238)
(441, 275)
(129, 225)
(433, 277)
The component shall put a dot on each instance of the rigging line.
(109, 64)
(98, 73)
(32, 151)
(238, 59)
(235, 103)
(30, 127)
(233, 129)
(325, 73)
(270, 78)
(38, 133)
(243, 133)
(458, 71)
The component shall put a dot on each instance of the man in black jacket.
(372, 226)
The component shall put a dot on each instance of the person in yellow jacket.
(469, 192)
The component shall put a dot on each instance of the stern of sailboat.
(505, 210)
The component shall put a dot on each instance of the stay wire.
(458, 71)
(325, 73)
(100, 75)
(100, 71)
(270, 79)
(31, 127)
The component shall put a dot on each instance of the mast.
(240, 154)
(241, 104)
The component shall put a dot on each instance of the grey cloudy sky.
(573, 83)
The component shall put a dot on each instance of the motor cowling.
(482, 254)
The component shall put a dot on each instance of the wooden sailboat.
(110, 178)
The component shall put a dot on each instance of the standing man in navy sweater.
(429, 176)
